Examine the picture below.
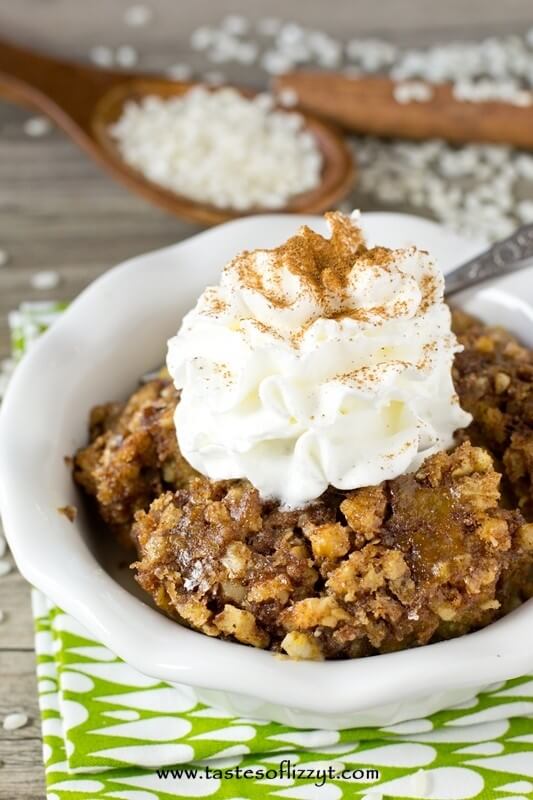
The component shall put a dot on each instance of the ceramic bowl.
(114, 332)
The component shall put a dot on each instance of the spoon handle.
(60, 89)
(503, 258)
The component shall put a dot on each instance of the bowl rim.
(159, 647)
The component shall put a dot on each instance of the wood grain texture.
(16, 631)
(22, 776)
(59, 211)
(19, 692)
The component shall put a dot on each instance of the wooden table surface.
(60, 212)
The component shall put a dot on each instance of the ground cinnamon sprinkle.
(428, 285)
(365, 376)
(264, 328)
(216, 306)
(225, 371)
(323, 265)
(428, 349)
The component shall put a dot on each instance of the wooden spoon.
(368, 105)
(85, 101)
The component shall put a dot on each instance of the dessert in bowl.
(286, 484)
(319, 561)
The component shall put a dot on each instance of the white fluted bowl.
(113, 333)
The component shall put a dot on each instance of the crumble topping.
(428, 555)
(494, 378)
(133, 456)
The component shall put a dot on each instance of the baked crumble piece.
(494, 380)
(426, 556)
(133, 455)
(423, 557)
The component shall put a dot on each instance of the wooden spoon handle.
(367, 105)
(60, 89)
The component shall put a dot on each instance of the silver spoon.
(503, 258)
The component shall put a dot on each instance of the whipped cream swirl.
(318, 363)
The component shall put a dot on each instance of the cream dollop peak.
(320, 362)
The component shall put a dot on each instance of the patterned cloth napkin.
(108, 730)
(111, 732)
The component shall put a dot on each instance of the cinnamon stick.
(367, 105)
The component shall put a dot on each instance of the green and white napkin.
(108, 730)
(111, 732)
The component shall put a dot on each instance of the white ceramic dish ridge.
(113, 333)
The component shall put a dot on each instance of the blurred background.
(63, 220)
(59, 212)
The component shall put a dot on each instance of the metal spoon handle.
(509, 255)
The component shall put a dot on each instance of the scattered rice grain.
(15, 721)
(137, 16)
(126, 56)
(5, 567)
(202, 38)
(412, 92)
(288, 97)
(276, 63)
(37, 127)
(524, 211)
(180, 72)
(46, 279)
(101, 55)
